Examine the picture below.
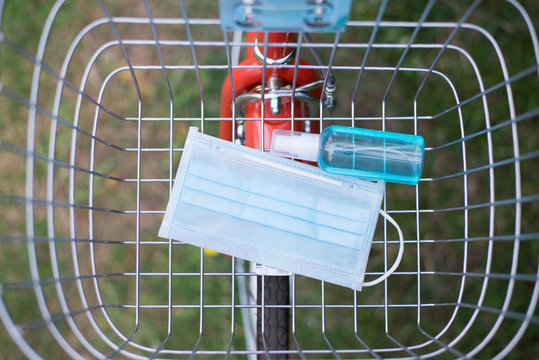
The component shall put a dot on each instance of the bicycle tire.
(275, 319)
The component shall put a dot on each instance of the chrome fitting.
(275, 83)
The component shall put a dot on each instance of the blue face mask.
(274, 211)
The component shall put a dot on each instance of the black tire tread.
(276, 292)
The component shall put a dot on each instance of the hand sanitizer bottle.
(363, 153)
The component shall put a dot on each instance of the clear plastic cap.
(295, 144)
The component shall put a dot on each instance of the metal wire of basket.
(96, 98)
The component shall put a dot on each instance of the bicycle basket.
(96, 98)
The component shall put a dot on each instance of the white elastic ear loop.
(399, 255)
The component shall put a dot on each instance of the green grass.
(23, 27)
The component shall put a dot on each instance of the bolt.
(274, 83)
(275, 105)
(329, 92)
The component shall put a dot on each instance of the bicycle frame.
(249, 75)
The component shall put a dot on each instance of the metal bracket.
(269, 271)
(285, 15)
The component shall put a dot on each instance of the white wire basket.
(96, 98)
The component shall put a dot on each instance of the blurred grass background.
(22, 23)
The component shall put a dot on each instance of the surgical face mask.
(274, 211)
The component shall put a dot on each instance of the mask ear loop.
(399, 255)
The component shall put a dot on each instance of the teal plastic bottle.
(363, 153)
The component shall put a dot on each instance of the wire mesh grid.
(96, 99)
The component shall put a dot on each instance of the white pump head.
(295, 144)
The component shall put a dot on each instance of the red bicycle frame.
(247, 79)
